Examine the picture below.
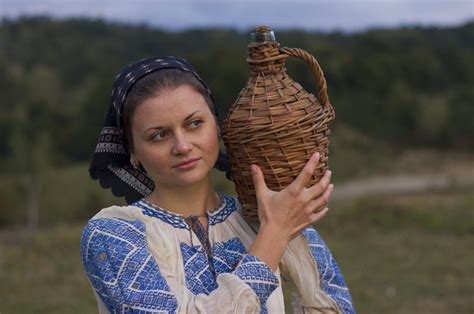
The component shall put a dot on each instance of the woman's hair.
(150, 86)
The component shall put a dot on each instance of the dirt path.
(401, 184)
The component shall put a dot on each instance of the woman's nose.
(181, 144)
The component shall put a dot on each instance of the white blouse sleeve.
(316, 275)
(127, 279)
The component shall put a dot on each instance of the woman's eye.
(195, 124)
(160, 135)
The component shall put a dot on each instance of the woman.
(179, 246)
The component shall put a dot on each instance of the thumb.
(258, 179)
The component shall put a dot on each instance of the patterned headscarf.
(111, 160)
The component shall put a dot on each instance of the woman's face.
(175, 137)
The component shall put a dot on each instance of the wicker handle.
(321, 86)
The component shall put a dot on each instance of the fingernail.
(252, 169)
(316, 156)
(329, 172)
(331, 186)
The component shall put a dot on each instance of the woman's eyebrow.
(158, 127)
(191, 115)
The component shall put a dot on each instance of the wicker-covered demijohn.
(274, 122)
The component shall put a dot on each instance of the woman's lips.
(188, 164)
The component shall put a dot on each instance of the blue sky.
(322, 15)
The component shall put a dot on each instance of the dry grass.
(400, 254)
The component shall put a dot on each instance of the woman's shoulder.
(116, 221)
(117, 260)
(118, 211)
(110, 238)
(120, 222)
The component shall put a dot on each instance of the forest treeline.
(406, 87)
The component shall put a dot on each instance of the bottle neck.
(265, 58)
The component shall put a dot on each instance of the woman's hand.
(283, 215)
(295, 207)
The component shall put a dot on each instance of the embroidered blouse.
(145, 259)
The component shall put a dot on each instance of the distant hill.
(408, 86)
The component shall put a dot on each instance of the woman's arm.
(283, 215)
(309, 264)
(286, 235)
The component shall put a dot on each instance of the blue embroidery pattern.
(148, 209)
(226, 255)
(332, 281)
(198, 270)
(199, 277)
(259, 277)
(122, 271)
(227, 207)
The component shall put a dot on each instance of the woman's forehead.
(171, 105)
(181, 98)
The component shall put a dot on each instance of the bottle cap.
(262, 34)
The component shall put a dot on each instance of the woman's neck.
(193, 200)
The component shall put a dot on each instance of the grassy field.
(399, 254)
(407, 254)
(410, 253)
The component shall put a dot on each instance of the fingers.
(316, 209)
(319, 188)
(315, 217)
(307, 172)
(323, 200)
(258, 179)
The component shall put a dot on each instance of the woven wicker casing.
(274, 122)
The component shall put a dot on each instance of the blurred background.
(400, 76)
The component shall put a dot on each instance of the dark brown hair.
(150, 86)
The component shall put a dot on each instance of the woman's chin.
(191, 178)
